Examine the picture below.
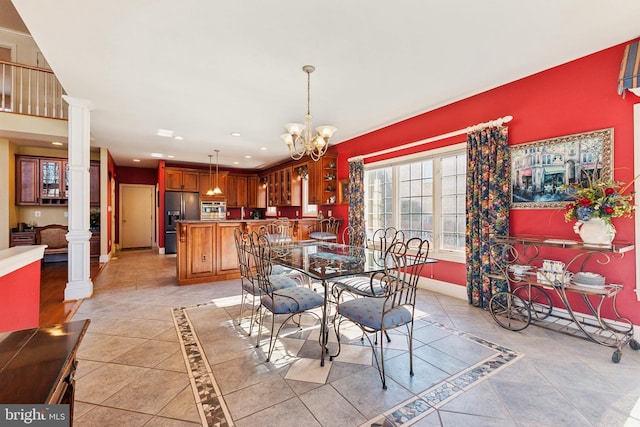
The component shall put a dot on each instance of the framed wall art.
(343, 191)
(539, 168)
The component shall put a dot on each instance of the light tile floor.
(132, 372)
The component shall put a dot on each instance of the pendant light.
(210, 191)
(217, 191)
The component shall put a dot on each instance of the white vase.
(595, 232)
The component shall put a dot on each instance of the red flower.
(608, 210)
(585, 202)
(609, 191)
(570, 206)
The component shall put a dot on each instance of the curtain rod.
(497, 122)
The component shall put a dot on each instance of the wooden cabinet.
(237, 191)
(226, 255)
(45, 181)
(54, 181)
(94, 244)
(27, 182)
(206, 251)
(181, 180)
(22, 238)
(206, 184)
(199, 239)
(251, 226)
(256, 193)
(283, 189)
(94, 183)
(301, 231)
(323, 183)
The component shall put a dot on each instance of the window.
(307, 209)
(424, 196)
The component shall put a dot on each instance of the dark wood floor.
(54, 277)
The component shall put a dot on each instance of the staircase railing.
(34, 91)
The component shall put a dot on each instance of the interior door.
(136, 216)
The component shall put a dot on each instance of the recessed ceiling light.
(165, 132)
(178, 137)
(170, 156)
(56, 143)
(263, 148)
(235, 133)
(236, 163)
(156, 154)
(136, 160)
(247, 156)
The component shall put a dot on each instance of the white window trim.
(434, 252)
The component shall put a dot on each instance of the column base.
(78, 289)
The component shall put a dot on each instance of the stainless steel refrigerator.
(178, 206)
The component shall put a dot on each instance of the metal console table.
(532, 279)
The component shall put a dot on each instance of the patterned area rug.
(214, 411)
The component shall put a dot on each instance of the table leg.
(324, 329)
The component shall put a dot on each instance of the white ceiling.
(205, 69)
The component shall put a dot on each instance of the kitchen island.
(205, 250)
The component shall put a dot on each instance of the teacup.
(552, 278)
(553, 265)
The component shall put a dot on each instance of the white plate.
(589, 285)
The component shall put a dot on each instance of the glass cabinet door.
(50, 171)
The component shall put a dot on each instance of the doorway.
(137, 212)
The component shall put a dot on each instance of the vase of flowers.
(595, 203)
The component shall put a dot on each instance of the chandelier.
(214, 191)
(300, 138)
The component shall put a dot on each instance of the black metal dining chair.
(393, 307)
(278, 231)
(287, 300)
(368, 285)
(250, 289)
(354, 235)
(325, 230)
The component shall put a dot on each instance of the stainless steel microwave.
(213, 210)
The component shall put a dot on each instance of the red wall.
(572, 98)
(20, 298)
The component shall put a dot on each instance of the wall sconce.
(264, 181)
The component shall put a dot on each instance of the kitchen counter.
(206, 249)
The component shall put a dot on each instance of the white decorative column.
(79, 284)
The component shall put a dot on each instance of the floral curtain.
(487, 210)
(356, 193)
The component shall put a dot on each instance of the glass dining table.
(324, 261)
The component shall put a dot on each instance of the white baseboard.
(161, 251)
(445, 288)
